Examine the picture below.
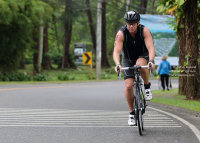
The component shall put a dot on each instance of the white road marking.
(33, 123)
(192, 127)
(54, 126)
(78, 118)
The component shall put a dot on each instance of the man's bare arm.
(149, 43)
(119, 39)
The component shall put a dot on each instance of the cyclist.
(136, 42)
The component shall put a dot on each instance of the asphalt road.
(87, 112)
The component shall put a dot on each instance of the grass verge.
(81, 74)
(172, 98)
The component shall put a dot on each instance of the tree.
(92, 29)
(104, 59)
(185, 13)
(67, 61)
(191, 48)
(40, 37)
(143, 6)
(153, 3)
(15, 29)
(46, 64)
(40, 50)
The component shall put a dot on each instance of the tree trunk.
(56, 34)
(40, 51)
(198, 74)
(67, 38)
(143, 6)
(35, 55)
(181, 54)
(104, 59)
(153, 3)
(21, 64)
(92, 29)
(191, 29)
(46, 64)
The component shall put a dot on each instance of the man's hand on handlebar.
(118, 68)
(151, 66)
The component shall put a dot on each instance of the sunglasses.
(131, 23)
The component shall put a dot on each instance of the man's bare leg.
(145, 75)
(128, 93)
(144, 72)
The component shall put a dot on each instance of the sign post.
(87, 60)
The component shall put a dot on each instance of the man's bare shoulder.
(146, 32)
(119, 36)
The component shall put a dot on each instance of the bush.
(40, 77)
(104, 76)
(154, 73)
(23, 77)
(15, 77)
(87, 76)
(63, 76)
(72, 77)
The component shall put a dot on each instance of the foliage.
(104, 75)
(63, 76)
(170, 6)
(87, 76)
(174, 7)
(40, 77)
(13, 76)
(72, 77)
(18, 20)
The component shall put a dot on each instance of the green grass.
(82, 73)
(172, 98)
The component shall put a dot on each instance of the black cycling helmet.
(132, 16)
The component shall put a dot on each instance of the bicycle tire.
(138, 108)
(135, 107)
(143, 107)
(140, 122)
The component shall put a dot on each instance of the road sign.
(79, 49)
(87, 58)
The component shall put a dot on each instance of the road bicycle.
(139, 97)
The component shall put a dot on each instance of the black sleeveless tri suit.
(133, 48)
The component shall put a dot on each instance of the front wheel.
(139, 108)
(140, 122)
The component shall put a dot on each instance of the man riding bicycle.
(135, 40)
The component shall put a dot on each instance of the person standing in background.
(164, 71)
